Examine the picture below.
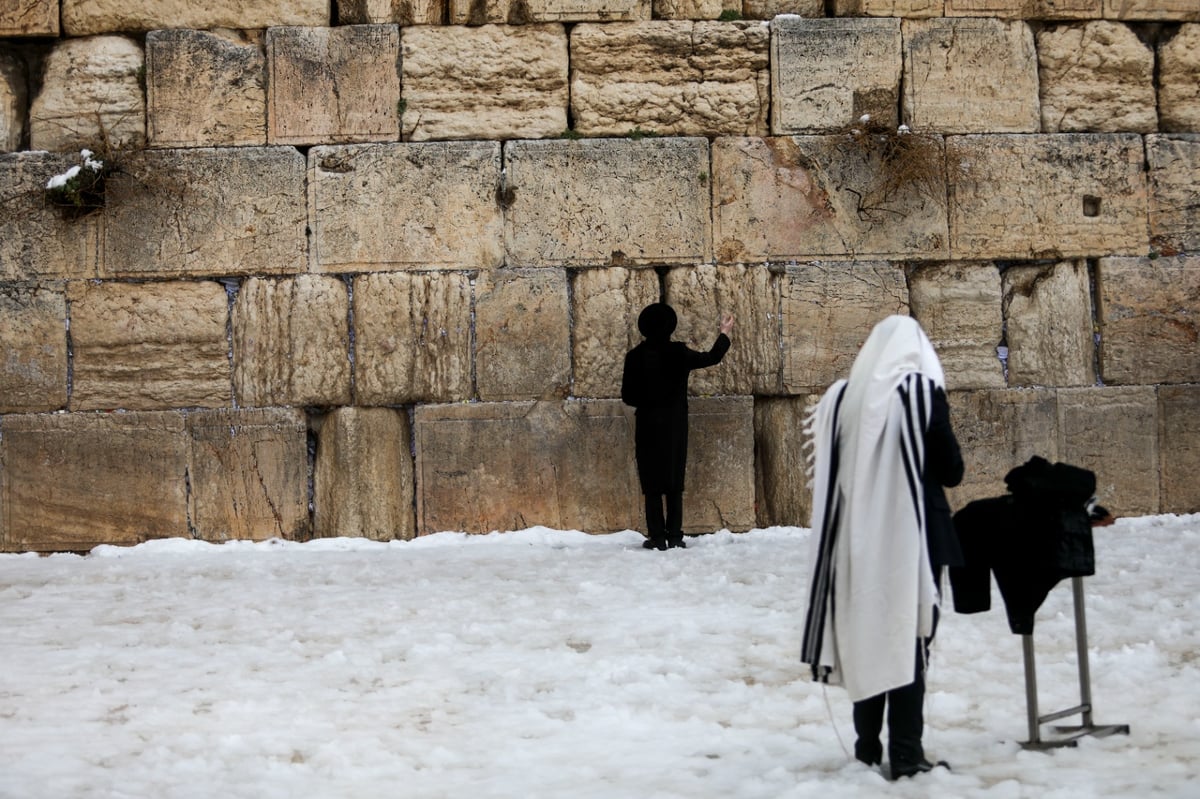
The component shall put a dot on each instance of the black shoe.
(678, 543)
(870, 752)
(920, 767)
(652, 543)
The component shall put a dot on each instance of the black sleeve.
(631, 384)
(943, 458)
(700, 360)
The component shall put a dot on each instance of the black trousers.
(670, 526)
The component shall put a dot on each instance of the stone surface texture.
(1096, 77)
(970, 76)
(29, 18)
(605, 304)
(1026, 9)
(769, 9)
(1149, 320)
(149, 346)
(1153, 10)
(671, 78)
(84, 17)
(908, 9)
(827, 73)
(1179, 452)
(205, 88)
(430, 205)
(1114, 433)
(36, 240)
(1174, 167)
(90, 97)
(490, 82)
(522, 334)
(404, 12)
(523, 12)
(958, 304)
(14, 98)
(783, 495)
(33, 347)
(1179, 81)
(1048, 319)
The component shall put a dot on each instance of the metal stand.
(1070, 734)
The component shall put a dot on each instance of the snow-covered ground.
(553, 664)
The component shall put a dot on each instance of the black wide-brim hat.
(657, 320)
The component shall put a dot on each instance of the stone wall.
(370, 268)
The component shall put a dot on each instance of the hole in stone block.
(1091, 206)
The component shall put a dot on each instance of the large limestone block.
(1096, 76)
(84, 17)
(827, 311)
(691, 9)
(701, 295)
(412, 337)
(1174, 163)
(1179, 81)
(607, 201)
(333, 85)
(1114, 433)
(146, 346)
(970, 76)
(827, 73)
(405, 206)
(804, 197)
(959, 306)
(1026, 9)
(784, 496)
(36, 240)
(1048, 319)
(13, 102)
(605, 304)
(202, 212)
(205, 88)
(675, 78)
(522, 334)
(1160, 10)
(1046, 196)
(91, 96)
(404, 12)
(523, 12)
(74, 481)
(29, 18)
(491, 82)
(769, 9)
(997, 431)
(363, 478)
(908, 9)
(1149, 320)
(248, 474)
(570, 465)
(1179, 448)
(291, 342)
(33, 347)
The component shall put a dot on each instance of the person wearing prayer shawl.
(882, 450)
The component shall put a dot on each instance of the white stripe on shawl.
(871, 593)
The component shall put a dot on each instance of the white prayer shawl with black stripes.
(871, 590)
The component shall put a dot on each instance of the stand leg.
(1031, 701)
(1081, 649)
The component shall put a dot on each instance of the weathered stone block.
(769, 9)
(73, 481)
(201, 212)
(827, 73)
(1174, 167)
(1179, 448)
(523, 12)
(248, 473)
(205, 88)
(148, 346)
(802, 197)
(605, 304)
(783, 494)
(908, 9)
(404, 12)
(689, 9)
(33, 343)
(1114, 433)
(522, 334)
(291, 342)
(13, 102)
(997, 431)
(389, 206)
(90, 96)
(959, 307)
(701, 295)
(36, 240)
(569, 465)
(333, 85)
(363, 481)
(490, 82)
(412, 337)
(1179, 81)
(1161, 10)
(84, 17)
(1048, 319)
(29, 18)
(1149, 320)
(828, 310)
(607, 201)
(1026, 9)
(1096, 76)
(1046, 196)
(676, 78)
(970, 76)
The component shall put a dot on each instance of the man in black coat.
(655, 383)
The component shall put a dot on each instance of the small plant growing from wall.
(79, 190)
(906, 160)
